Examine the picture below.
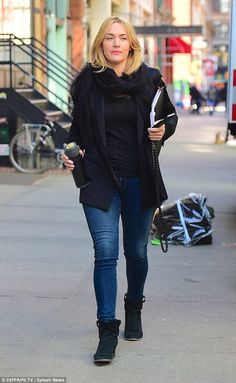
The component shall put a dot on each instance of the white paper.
(152, 113)
(154, 122)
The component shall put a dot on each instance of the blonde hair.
(134, 60)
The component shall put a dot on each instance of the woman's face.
(116, 46)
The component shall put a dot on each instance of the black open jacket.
(102, 178)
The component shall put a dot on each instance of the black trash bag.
(188, 221)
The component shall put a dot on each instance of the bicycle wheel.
(30, 154)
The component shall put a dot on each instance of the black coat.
(102, 178)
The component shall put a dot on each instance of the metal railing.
(31, 64)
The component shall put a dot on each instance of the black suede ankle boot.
(133, 323)
(108, 340)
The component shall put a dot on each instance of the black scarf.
(113, 85)
(86, 83)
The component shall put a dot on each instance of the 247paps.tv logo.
(28, 379)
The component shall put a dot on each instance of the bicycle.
(34, 149)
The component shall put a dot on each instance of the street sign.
(169, 30)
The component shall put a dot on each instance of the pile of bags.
(188, 221)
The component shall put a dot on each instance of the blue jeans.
(104, 229)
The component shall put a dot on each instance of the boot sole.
(133, 339)
(103, 361)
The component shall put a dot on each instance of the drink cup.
(72, 151)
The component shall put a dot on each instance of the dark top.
(121, 135)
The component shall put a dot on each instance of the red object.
(177, 45)
(234, 112)
(234, 77)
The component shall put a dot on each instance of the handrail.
(45, 66)
(74, 69)
(55, 79)
(42, 54)
(41, 84)
(50, 61)
(50, 64)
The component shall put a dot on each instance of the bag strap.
(156, 147)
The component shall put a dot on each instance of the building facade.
(68, 28)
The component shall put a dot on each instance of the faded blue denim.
(104, 229)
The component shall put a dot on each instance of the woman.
(112, 98)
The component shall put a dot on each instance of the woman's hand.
(156, 134)
(68, 163)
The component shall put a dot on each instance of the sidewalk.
(47, 301)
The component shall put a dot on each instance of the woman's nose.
(116, 42)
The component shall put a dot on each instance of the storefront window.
(15, 17)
